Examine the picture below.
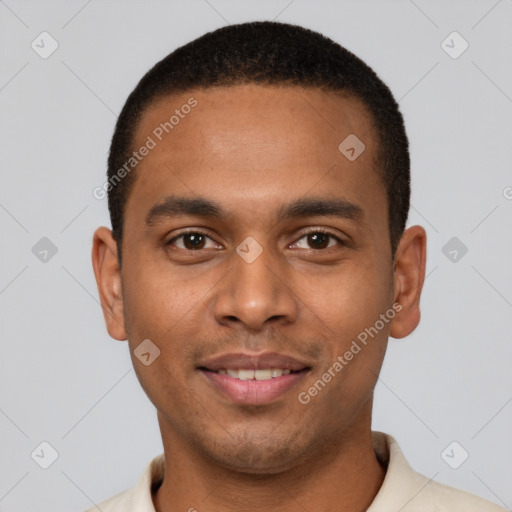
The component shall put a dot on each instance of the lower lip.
(253, 392)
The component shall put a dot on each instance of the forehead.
(258, 111)
(248, 145)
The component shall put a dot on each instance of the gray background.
(64, 381)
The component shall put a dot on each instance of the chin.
(258, 454)
(254, 461)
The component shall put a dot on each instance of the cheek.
(166, 307)
(349, 306)
(151, 290)
(160, 307)
(350, 299)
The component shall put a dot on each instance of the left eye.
(319, 240)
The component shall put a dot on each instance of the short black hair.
(268, 53)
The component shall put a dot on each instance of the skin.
(252, 149)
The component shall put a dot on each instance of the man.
(258, 186)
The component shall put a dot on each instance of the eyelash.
(203, 233)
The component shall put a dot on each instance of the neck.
(346, 477)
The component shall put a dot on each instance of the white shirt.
(403, 489)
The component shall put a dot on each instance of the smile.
(253, 379)
(265, 374)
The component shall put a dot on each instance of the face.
(255, 254)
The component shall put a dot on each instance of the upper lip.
(244, 361)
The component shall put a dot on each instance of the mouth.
(263, 374)
(247, 379)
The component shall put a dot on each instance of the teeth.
(265, 374)
(246, 374)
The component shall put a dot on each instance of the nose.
(256, 293)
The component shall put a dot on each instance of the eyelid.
(302, 234)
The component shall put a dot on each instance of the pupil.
(319, 240)
(193, 241)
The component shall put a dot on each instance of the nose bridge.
(253, 290)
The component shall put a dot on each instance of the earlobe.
(108, 280)
(408, 278)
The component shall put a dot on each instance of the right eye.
(190, 241)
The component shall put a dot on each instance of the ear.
(408, 278)
(108, 280)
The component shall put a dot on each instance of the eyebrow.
(175, 206)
